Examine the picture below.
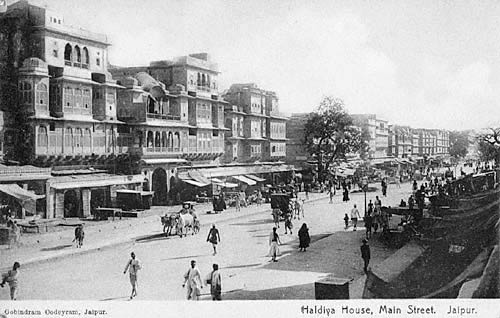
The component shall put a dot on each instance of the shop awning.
(255, 178)
(245, 180)
(142, 193)
(197, 176)
(25, 198)
(196, 183)
(93, 181)
(225, 184)
(159, 161)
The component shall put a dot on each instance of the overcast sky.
(432, 64)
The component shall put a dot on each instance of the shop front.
(79, 196)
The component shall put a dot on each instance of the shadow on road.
(184, 257)
(241, 266)
(116, 298)
(154, 237)
(304, 291)
(56, 248)
(254, 222)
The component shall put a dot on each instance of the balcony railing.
(163, 116)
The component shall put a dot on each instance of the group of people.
(194, 284)
(274, 241)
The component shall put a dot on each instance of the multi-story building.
(59, 102)
(378, 131)
(174, 115)
(401, 141)
(257, 130)
(295, 150)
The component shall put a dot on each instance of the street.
(242, 259)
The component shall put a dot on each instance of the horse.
(187, 221)
(169, 222)
(276, 217)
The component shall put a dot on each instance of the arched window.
(78, 97)
(177, 141)
(43, 138)
(69, 98)
(208, 80)
(151, 105)
(86, 139)
(25, 92)
(139, 138)
(157, 139)
(68, 51)
(68, 140)
(77, 138)
(110, 137)
(203, 80)
(86, 58)
(150, 139)
(42, 97)
(170, 143)
(198, 82)
(164, 139)
(78, 54)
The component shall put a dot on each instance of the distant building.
(257, 130)
(378, 130)
(296, 152)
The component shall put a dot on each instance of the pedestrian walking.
(346, 221)
(79, 236)
(214, 280)
(11, 278)
(237, 203)
(370, 208)
(213, 237)
(133, 266)
(259, 197)
(274, 241)
(415, 185)
(306, 190)
(288, 223)
(345, 195)
(192, 281)
(331, 192)
(368, 225)
(304, 238)
(354, 217)
(384, 187)
(15, 234)
(365, 254)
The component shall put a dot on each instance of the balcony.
(163, 116)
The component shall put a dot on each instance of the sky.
(425, 63)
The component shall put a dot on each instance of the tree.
(329, 134)
(489, 145)
(459, 143)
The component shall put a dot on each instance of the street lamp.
(364, 182)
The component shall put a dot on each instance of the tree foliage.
(459, 143)
(330, 135)
(489, 145)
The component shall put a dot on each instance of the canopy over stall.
(252, 177)
(245, 180)
(25, 198)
